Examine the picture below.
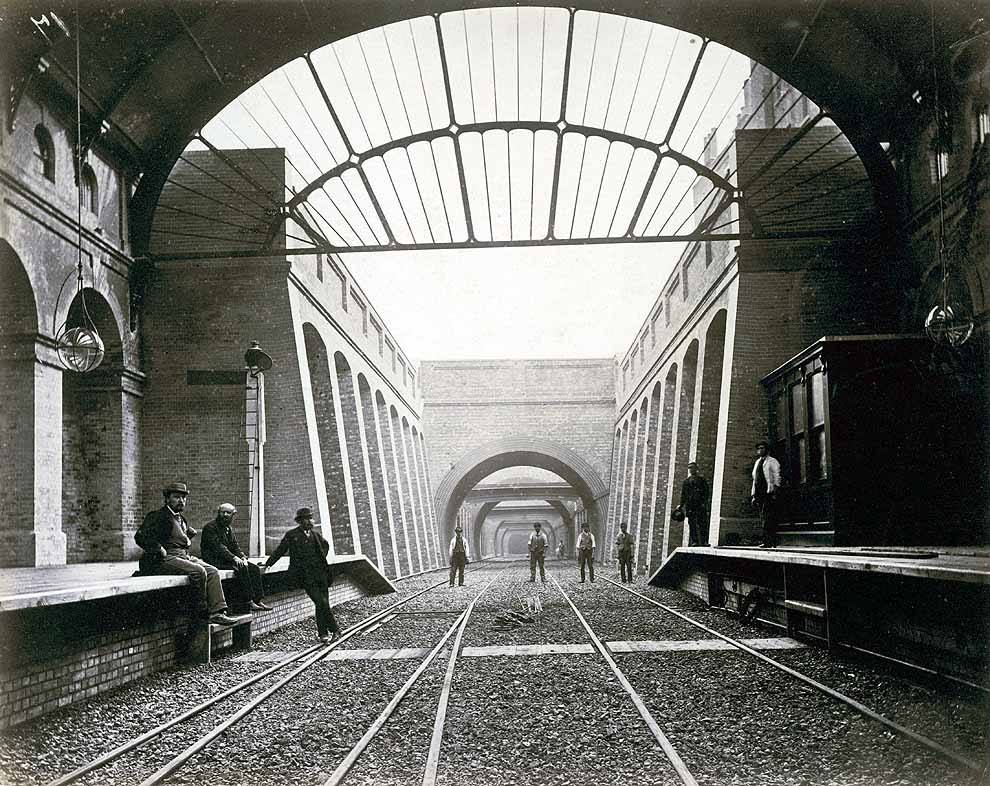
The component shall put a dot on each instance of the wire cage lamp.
(79, 346)
(948, 322)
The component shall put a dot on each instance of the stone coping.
(24, 588)
(971, 566)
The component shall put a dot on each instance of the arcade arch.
(527, 452)
(93, 489)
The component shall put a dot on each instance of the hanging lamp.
(948, 322)
(79, 347)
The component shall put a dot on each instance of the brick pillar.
(403, 551)
(661, 510)
(645, 520)
(428, 490)
(409, 476)
(100, 466)
(639, 491)
(419, 499)
(31, 454)
(405, 490)
(608, 548)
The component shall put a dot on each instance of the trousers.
(319, 593)
(584, 558)
(250, 584)
(204, 577)
(457, 563)
(697, 527)
(767, 508)
(536, 558)
(625, 568)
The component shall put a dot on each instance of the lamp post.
(256, 362)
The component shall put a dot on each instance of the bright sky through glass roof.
(503, 126)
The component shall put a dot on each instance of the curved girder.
(868, 95)
(661, 150)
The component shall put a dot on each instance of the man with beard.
(165, 536)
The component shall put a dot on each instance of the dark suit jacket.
(219, 545)
(307, 557)
(154, 532)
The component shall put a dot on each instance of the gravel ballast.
(534, 719)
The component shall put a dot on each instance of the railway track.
(443, 758)
(300, 662)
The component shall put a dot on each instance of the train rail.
(304, 659)
(458, 626)
(958, 759)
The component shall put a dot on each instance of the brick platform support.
(57, 656)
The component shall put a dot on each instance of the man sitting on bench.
(166, 536)
(220, 548)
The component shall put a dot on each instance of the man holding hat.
(165, 536)
(308, 569)
(220, 548)
(694, 503)
(537, 553)
(458, 554)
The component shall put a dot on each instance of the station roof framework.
(444, 124)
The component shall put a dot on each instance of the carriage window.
(817, 399)
(819, 458)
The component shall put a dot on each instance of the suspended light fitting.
(79, 347)
(948, 322)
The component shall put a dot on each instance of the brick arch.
(504, 530)
(354, 440)
(386, 536)
(18, 306)
(521, 451)
(93, 437)
(338, 529)
(18, 333)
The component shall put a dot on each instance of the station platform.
(22, 588)
(71, 632)
(928, 608)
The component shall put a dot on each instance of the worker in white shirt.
(586, 551)
(537, 553)
(763, 495)
(459, 557)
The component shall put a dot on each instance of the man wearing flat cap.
(165, 536)
(308, 569)
(220, 548)
(694, 503)
(458, 554)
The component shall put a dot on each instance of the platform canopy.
(427, 124)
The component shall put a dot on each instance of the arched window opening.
(45, 152)
(90, 189)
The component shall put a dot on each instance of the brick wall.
(56, 656)
(469, 403)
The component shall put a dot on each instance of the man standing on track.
(308, 569)
(624, 551)
(586, 551)
(537, 553)
(458, 554)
